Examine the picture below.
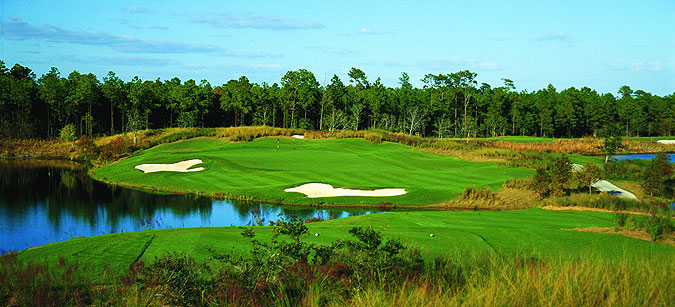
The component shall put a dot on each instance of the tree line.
(447, 105)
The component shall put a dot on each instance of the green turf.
(532, 231)
(260, 171)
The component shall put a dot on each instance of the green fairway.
(258, 170)
(532, 231)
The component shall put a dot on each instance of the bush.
(620, 220)
(116, 148)
(655, 225)
(483, 194)
(67, 133)
(179, 279)
(306, 124)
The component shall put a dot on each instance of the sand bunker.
(609, 188)
(666, 141)
(182, 167)
(606, 186)
(314, 190)
(298, 136)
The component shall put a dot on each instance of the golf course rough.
(258, 170)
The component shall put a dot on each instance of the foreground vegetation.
(284, 265)
(537, 232)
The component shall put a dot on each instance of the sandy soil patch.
(666, 141)
(631, 233)
(298, 136)
(315, 190)
(181, 167)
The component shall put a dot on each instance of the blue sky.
(600, 44)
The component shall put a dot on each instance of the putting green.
(261, 171)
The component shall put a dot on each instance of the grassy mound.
(258, 170)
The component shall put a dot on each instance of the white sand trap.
(314, 190)
(298, 136)
(606, 186)
(181, 167)
(666, 141)
(609, 188)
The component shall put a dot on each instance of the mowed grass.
(258, 170)
(531, 232)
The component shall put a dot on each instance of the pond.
(43, 202)
(671, 157)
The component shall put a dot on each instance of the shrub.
(119, 146)
(67, 133)
(179, 278)
(484, 194)
(655, 175)
(656, 225)
(620, 220)
(372, 137)
(306, 124)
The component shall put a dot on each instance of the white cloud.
(560, 37)
(460, 64)
(241, 21)
(16, 29)
(136, 10)
(636, 66)
(118, 60)
(348, 51)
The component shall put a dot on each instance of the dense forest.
(448, 105)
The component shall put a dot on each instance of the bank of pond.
(43, 202)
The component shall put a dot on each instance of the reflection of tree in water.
(70, 191)
(66, 190)
(68, 179)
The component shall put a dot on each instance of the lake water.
(671, 157)
(43, 202)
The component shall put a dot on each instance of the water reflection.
(671, 157)
(44, 202)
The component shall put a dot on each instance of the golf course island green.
(262, 169)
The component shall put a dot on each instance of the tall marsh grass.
(518, 281)
(587, 146)
(451, 280)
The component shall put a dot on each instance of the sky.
(600, 44)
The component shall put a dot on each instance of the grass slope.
(532, 231)
(260, 171)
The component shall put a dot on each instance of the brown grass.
(588, 209)
(629, 232)
(588, 146)
(466, 155)
(504, 199)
